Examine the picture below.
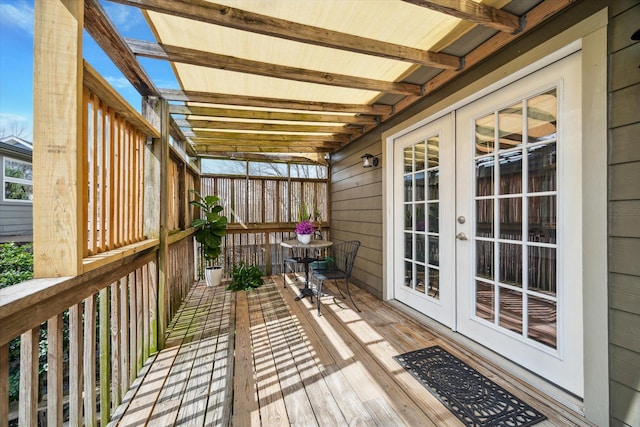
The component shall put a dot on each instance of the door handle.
(461, 236)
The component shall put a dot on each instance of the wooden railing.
(95, 330)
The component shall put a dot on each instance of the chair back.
(344, 256)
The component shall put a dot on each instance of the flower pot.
(213, 276)
(304, 238)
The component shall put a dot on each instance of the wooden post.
(58, 149)
(163, 253)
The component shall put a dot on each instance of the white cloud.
(118, 82)
(18, 15)
(124, 17)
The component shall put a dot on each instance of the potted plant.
(304, 230)
(304, 227)
(245, 277)
(212, 228)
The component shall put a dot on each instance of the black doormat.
(469, 395)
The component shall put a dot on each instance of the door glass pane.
(408, 216)
(485, 301)
(434, 183)
(434, 250)
(420, 279)
(408, 160)
(542, 219)
(419, 186)
(433, 152)
(542, 168)
(542, 270)
(420, 218)
(420, 246)
(484, 176)
(542, 113)
(408, 188)
(408, 274)
(434, 217)
(484, 259)
(434, 283)
(510, 126)
(511, 172)
(485, 135)
(511, 218)
(484, 216)
(542, 321)
(420, 156)
(510, 264)
(408, 245)
(510, 315)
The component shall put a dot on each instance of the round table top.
(313, 244)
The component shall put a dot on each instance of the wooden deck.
(292, 367)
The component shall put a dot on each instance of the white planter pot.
(213, 276)
(304, 238)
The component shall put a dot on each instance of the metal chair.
(343, 256)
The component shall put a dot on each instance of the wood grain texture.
(474, 12)
(28, 399)
(55, 373)
(57, 137)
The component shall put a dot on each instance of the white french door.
(503, 265)
(424, 205)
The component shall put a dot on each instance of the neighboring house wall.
(624, 212)
(16, 217)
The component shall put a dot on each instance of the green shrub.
(16, 264)
(245, 277)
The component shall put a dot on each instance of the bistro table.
(306, 260)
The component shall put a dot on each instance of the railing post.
(156, 111)
(28, 407)
(58, 149)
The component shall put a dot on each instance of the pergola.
(284, 80)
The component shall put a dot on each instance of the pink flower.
(304, 227)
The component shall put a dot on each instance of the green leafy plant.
(213, 226)
(16, 264)
(245, 277)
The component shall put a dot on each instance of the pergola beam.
(226, 16)
(474, 12)
(243, 136)
(272, 127)
(241, 65)
(288, 104)
(190, 110)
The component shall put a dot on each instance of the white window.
(17, 180)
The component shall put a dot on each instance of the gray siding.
(624, 213)
(356, 211)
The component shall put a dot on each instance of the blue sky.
(16, 61)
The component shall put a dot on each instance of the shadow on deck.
(261, 358)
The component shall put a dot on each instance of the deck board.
(263, 359)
